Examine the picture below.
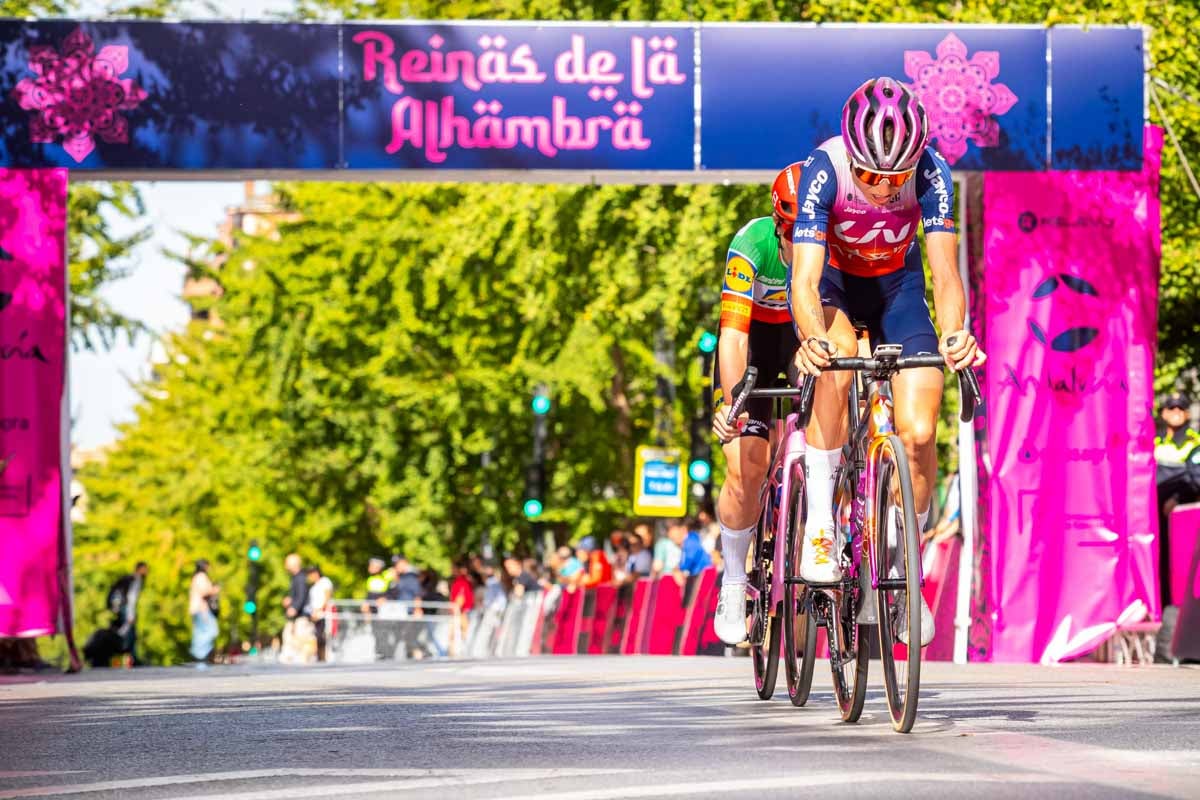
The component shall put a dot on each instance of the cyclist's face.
(878, 195)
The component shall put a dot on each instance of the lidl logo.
(739, 275)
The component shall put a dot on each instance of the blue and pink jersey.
(863, 239)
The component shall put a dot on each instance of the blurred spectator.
(462, 593)
(406, 585)
(619, 543)
(523, 581)
(693, 558)
(1175, 440)
(947, 527)
(1177, 453)
(667, 552)
(203, 597)
(569, 566)
(123, 601)
(296, 600)
(597, 571)
(640, 561)
(378, 583)
(320, 598)
(496, 587)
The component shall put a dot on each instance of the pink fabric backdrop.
(1072, 263)
(33, 210)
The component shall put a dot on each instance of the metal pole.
(968, 483)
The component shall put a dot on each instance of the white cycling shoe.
(902, 620)
(730, 621)
(819, 556)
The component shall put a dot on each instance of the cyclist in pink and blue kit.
(856, 257)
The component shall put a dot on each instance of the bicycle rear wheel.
(899, 568)
(764, 625)
(849, 659)
(799, 627)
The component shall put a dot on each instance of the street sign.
(660, 485)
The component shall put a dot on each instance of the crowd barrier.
(360, 632)
(653, 616)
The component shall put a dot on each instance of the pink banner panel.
(33, 218)
(1072, 262)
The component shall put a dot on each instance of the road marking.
(412, 778)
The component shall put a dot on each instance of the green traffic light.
(708, 342)
(250, 607)
(700, 470)
(533, 508)
(254, 553)
(540, 404)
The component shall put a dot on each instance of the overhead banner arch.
(546, 101)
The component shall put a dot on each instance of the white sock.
(922, 518)
(819, 468)
(734, 547)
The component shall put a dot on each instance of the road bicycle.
(873, 486)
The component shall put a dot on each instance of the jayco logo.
(938, 183)
(814, 192)
(889, 236)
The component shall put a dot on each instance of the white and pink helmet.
(884, 126)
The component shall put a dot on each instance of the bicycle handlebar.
(968, 384)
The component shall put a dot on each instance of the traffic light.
(700, 456)
(535, 476)
(708, 342)
(254, 555)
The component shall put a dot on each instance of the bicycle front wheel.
(799, 627)
(898, 563)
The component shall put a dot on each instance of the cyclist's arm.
(935, 192)
(818, 190)
(949, 299)
(737, 309)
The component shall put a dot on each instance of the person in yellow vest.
(1177, 455)
(1177, 440)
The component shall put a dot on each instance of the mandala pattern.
(959, 95)
(78, 95)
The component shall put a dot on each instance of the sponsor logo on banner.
(1028, 222)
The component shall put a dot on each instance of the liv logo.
(77, 95)
(959, 95)
(1073, 338)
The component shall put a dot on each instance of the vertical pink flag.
(33, 308)
(1071, 278)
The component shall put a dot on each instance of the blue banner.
(1097, 98)
(619, 99)
(496, 96)
(771, 93)
(154, 95)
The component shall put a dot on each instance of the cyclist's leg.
(826, 434)
(747, 458)
(917, 393)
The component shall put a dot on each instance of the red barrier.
(619, 619)
(665, 617)
(567, 622)
(941, 592)
(605, 598)
(635, 625)
(703, 598)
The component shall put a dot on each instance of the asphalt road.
(592, 728)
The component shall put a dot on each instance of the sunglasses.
(872, 178)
